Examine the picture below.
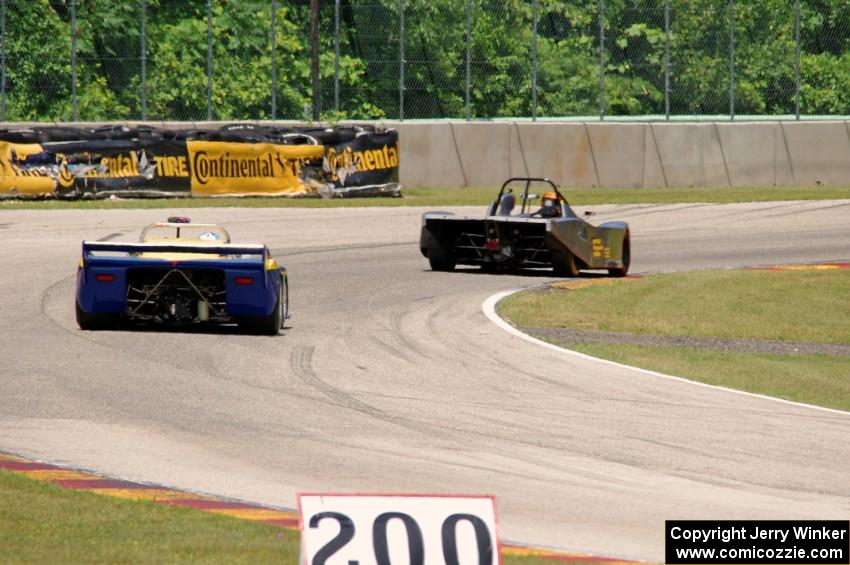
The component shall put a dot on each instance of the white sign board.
(348, 529)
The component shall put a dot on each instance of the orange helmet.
(551, 199)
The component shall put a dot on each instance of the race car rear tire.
(271, 324)
(564, 263)
(627, 259)
(285, 308)
(94, 321)
(440, 258)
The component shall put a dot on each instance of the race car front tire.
(627, 259)
(94, 321)
(564, 263)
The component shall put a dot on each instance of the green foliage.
(177, 84)
(38, 70)
(109, 58)
(97, 102)
(826, 82)
(568, 77)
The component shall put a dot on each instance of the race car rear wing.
(115, 248)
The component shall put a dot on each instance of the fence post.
(667, 60)
(731, 59)
(314, 58)
(209, 61)
(336, 55)
(534, 64)
(144, 61)
(2, 60)
(274, 59)
(797, 69)
(401, 61)
(601, 60)
(73, 61)
(468, 59)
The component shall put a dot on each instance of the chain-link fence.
(90, 60)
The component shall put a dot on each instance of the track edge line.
(488, 307)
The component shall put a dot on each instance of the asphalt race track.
(391, 379)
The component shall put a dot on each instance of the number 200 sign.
(347, 529)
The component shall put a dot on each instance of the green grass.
(803, 306)
(822, 380)
(811, 306)
(595, 196)
(43, 523)
(474, 196)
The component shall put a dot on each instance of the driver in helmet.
(551, 207)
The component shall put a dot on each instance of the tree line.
(691, 51)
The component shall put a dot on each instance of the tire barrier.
(232, 160)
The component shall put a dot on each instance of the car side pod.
(625, 248)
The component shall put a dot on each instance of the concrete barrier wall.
(616, 154)
(628, 155)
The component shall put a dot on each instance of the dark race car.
(514, 235)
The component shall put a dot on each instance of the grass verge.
(813, 379)
(44, 523)
(811, 306)
(473, 196)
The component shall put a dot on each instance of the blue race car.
(181, 274)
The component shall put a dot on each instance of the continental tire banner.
(367, 159)
(18, 178)
(226, 167)
(234, 160)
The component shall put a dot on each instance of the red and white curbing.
(86, 480)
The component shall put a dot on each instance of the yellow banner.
(16, 180)
(219, 167)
